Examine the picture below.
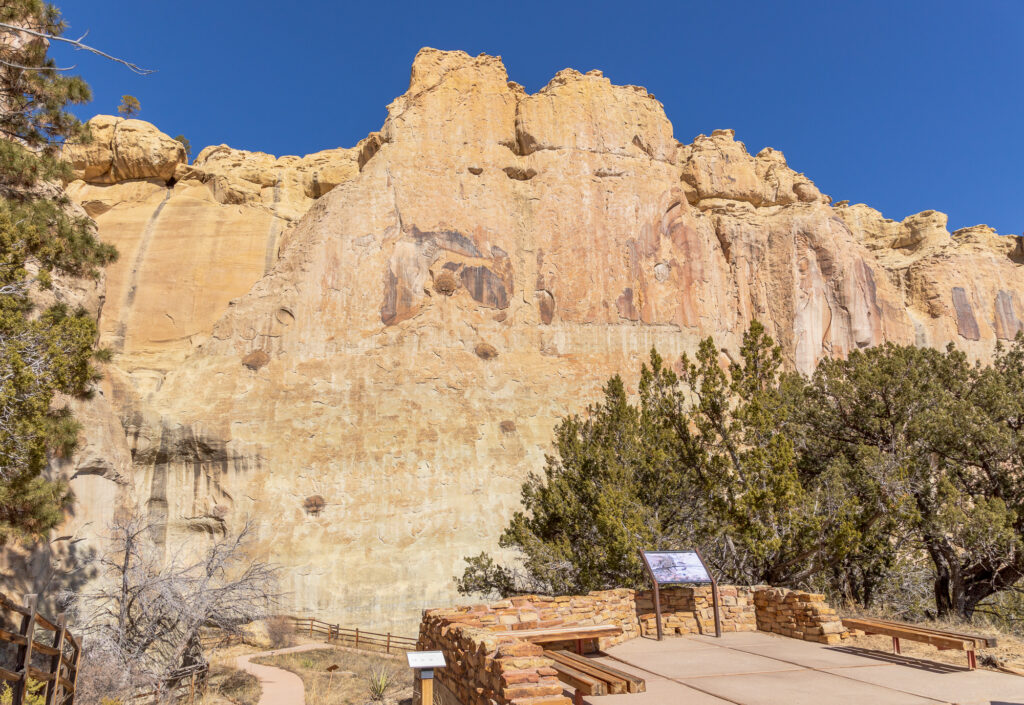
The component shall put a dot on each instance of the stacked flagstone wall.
(689, 610)
(797, 614)
(488, 663)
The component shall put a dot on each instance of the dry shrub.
(446, 283)
(102, 675)
(314, 504)
(280, 631)
(508, 426)
(486, 351)
(256, 360)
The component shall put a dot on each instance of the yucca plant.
(380, 681)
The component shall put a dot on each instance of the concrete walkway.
(280, 687)
(755, 668)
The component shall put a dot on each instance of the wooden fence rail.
(356, 638)
(54, 660)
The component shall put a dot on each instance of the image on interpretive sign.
(677, 567)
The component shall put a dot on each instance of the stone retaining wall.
(487, 663)
(688, 610)
(485, 666)
(798, 614)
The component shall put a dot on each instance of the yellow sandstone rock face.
(395, 328)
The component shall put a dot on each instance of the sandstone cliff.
(396, 327)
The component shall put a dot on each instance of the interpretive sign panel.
(668, 567)
(677, 567)
(425, 659)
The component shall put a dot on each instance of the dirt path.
(280, 687)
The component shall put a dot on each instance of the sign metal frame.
(657, 594)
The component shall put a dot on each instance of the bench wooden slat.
(981, 641)
(539, 636)
(636, 684)
(618, 681)
(587, 685)
(901, 632)
(614, 684)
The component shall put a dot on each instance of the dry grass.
(233, 685)
(1008, 654)
(350, 684)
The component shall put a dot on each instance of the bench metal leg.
(579, 646)
(577, 698)
(896, 645)
(972, 660)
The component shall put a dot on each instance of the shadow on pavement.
(920, 664)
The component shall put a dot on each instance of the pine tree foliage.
(187, 145)
(42, 351)
(129, 107)
(894, 456)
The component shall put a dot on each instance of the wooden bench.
(942, 640)
(588, 677)
(570, 633)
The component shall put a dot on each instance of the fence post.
(389, 643)
(28, 630)
(310, 627)
(54, 686)
(73, 675)
(357, 637)
(192, 689)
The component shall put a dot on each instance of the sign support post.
(657, 607)
(423, 664)
(425, 679)
(660, 576)
(714, 597)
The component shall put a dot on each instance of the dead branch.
(147, 609)
(77, 43)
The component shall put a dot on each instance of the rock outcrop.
(395, 328)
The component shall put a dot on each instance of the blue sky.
(902, 104)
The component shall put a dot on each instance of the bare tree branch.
(77, 43)
(38, 68)
(147, 610)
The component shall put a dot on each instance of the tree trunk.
(943, 584)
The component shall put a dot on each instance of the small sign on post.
(680, 567)
(424, 663)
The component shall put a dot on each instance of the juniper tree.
(896, 456)
(42, 351)
(705, 458)
(942, 440)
